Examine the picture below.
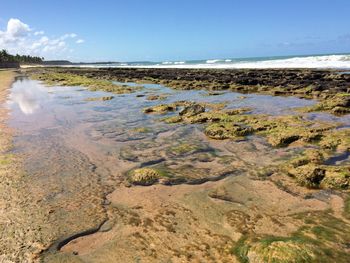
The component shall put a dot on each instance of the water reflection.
(27, 97)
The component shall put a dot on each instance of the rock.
(340, 100)
(237, 111)
(338, 104)
(173, 119)
(162, 108)
(309, 175)
(144, 176)
(214, 93)
(283, 139)
(336, 177)
(192, 110)
(340, 110)
(156, 97)
(152, 97)
(221, 131)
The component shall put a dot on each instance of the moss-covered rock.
(227, 130)
(51, 77)
(340, 110)
(160, 109)
(336, 140)
(309, 175)
(313, 156)
(338, 104)
(144, 176)
(191, 110)
(173, 119)
(156, 97)
(336, 177)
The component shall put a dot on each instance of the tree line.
(6, 57)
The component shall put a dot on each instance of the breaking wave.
(315, 61)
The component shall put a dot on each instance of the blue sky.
(161, 30)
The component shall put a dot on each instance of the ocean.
(336, 61)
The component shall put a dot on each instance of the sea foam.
(318, 61)
(323, 61)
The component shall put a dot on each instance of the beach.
(175, 165)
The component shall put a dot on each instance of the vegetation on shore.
(22, 59)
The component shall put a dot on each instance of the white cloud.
(18, 38)
(38, 33)
(71, 35)
(16, 28)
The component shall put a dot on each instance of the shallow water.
(78, 151)
(108, 129)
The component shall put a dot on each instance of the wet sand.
(211, 204)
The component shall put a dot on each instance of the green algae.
(184, 148)
(232, 123)
(309, 170)
(142, 130)
(338, 104)
(274, 249)
(144, 176)
(173, 119)
(160, 109)
(280, 131)
(156, 97)
(320, 239)
(227, 130)
(68, 79)
(336, 140)
(346, 212)
(7, 159)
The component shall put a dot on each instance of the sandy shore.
(21, 219)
